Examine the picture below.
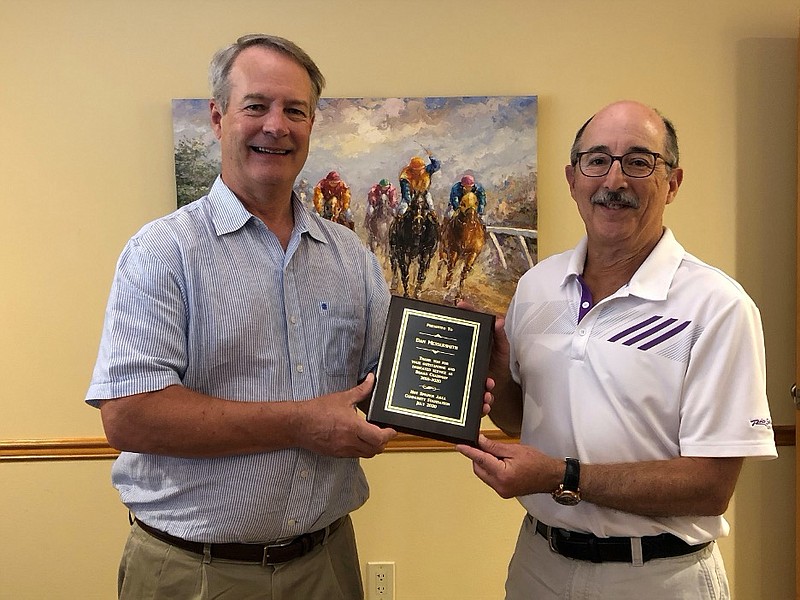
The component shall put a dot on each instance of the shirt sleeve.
(724, 408)
(377, 310)
(143, 346)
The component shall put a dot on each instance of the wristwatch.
(568, 493)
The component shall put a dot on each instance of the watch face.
(567, 497)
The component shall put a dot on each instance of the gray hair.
(671, 153)
(220, 68)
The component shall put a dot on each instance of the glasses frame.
(619, 158)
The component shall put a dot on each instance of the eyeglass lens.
(634, 164)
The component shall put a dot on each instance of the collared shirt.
(670, 365)
(207, 298)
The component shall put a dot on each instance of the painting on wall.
(442, 189)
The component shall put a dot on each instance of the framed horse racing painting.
(442, 189)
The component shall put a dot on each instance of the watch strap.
(572, 474)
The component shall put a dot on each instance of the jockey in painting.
(466, 194)
(332, 199)
(415, 183)
(382, 193)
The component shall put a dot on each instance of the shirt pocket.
(343, 338)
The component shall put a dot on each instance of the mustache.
(622, 199)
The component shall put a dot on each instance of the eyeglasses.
(634, 164)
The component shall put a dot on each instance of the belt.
(586, 546)
(266, 554)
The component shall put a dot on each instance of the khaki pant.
(153, 570)
(538, 573)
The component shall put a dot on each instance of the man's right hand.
(331, 426)
(506, 407)
(501, 351)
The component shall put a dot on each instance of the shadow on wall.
(766, 184)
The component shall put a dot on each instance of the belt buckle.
(265, 561)
(550, 540)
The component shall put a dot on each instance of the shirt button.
(291, 522)
(293, 320)
(582, 332)
(304, 473)
(299, 368)
(584, 305)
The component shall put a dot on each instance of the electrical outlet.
(380, 581)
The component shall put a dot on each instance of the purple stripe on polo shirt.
(672, 332)
(649, 332)
(634, 328)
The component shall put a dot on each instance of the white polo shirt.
(670, 365)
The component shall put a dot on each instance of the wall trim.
(96, 448)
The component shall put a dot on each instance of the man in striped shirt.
(237, 331)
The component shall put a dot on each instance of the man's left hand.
(513, 469)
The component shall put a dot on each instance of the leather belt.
(265, 554)
(586, 546)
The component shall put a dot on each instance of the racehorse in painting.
(381, 204)
(332, 200)
(413, 236)
(333, 211)
(463, 237)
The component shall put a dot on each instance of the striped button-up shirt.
(207, 298)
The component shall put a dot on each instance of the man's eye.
(640, 161)
(254, 108)
(296, 113)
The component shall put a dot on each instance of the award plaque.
(432, 371)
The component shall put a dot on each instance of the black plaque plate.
(432, 371)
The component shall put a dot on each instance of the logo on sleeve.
(761, 423)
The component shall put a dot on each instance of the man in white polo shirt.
(634, 374)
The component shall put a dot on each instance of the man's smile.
(265, 150)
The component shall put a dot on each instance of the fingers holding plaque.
(432, 371)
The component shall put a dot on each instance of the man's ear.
(675, 180)
(569, 172)
(216, 118)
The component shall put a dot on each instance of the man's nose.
(615, 178)
(275, 123)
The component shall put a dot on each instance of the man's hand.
(488, 397)
(501, 350)
(331, 426)
(503, 395)
(513, 469)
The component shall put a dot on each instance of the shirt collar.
(228, 214)
(652, 279)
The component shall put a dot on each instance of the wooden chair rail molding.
(93, 448)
